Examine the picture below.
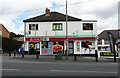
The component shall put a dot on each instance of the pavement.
(82, 59)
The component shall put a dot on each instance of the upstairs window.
(33, 26)
(87, 26)
(57, 26)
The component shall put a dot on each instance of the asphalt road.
(17, 67)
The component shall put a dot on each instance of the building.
(4, 32)
(103, 43)
(46, 34)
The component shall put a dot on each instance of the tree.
(12, 34)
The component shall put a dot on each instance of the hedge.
(10, 44)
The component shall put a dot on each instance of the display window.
(58, 45)
(88, 47)
(46, 48)
(34, 47)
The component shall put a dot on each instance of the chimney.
(47, 12)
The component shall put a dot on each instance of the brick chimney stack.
(47, 12)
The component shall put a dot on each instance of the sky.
(13, 12)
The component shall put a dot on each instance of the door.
(71, 47)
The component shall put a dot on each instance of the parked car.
(1, 50)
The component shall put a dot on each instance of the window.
(87, 26)
(106, 41)
(33, 26)
(44, 44)
(99, 41)
(57, 26)
(29, 32)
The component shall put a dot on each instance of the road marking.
(82, 71)
(9, 69)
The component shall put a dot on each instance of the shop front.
(53, 45)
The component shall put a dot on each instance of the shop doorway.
(71, 47)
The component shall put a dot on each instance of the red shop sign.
(34, 39)
(78, 43)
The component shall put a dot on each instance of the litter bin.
(59, 55)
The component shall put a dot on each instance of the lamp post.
(66, 33)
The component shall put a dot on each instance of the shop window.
(34, 48)
(45, 44)
(33, 26)
(87, 26)
(58, 45)
(57, 26)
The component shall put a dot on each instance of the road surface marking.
(82, 71)
(9, 69)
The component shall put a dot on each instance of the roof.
(4, 27)
(21, 39)
(89, 20)
(18, 38)
(54, 16)
(103, 35)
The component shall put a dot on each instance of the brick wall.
(5, 33)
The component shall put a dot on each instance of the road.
(17, 67)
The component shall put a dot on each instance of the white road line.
(9, 69)
(82, 71)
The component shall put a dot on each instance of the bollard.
(14, 54)
(22, 55)
(75, 57)
(55, 57)
(96, 56)
(9, 53)
(37, 56)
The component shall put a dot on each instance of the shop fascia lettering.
(36, 39)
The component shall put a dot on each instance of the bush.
(10, 44)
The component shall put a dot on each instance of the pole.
(24, 36)
(96, 56)
(66, 33)
(114, 56)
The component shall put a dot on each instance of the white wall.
(73, 27)
(27, 46)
